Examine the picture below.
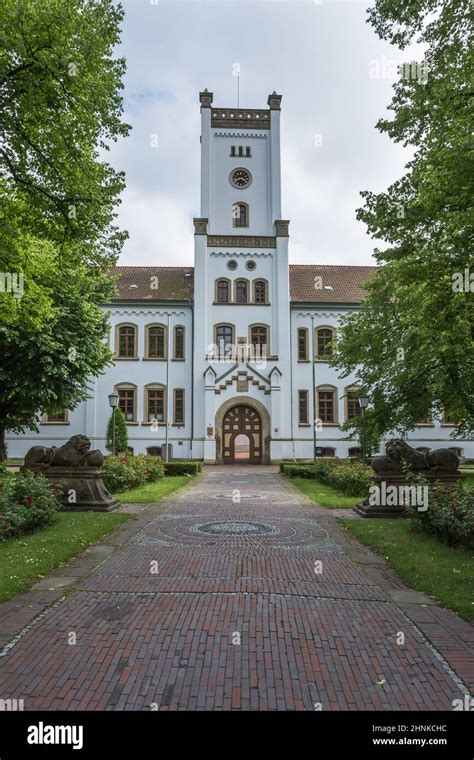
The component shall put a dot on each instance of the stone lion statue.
(74, 453)
(397, 452)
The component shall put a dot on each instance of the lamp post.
(363, 403)
(113, 401)
(313, 364)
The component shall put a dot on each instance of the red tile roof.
(139, 283)
(337, 284)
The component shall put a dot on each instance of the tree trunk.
(3, 444)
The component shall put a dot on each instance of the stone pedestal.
(83, 489)
(447, 479)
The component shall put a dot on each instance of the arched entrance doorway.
(242, 436)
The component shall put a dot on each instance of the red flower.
(30, 500)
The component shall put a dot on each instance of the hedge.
(122, 473)
(182, 468)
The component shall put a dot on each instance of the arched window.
(127, 393)
(178, 342)
(224, 340)
(156, 342)
(259, 339)
(240, 215)
(126, 342)
(155, 403)
(241, 291)
(260, 291)
(324, 337)
(222, 291)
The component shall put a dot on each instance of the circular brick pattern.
(235, 528)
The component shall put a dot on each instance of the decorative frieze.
(246, 118)
(241, 241)
(239, 254)
(246, 135)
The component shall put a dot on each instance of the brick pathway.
(159, 610)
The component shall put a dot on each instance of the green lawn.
(324, 495)
(422, 561)
(23, 560)
(153, 491)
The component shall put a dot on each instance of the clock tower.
(241, 293)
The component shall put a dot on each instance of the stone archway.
(257, 406)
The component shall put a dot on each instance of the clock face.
(240, 178)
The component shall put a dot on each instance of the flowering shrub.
(450, 515)
(27, 502)
(131, 471)
(351, 477)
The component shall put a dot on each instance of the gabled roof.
(337, 284)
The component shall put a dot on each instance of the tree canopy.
(61, 105)
(411, 345)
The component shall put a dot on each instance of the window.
(155, 403)
(224, 340)
(156, 342)
(324, 336)
(240, 215)
(241, 291)
(302, 344)
(178, 406)
(250, 265)
(353, 408)
(154, 451)
(232, 264)
(248, 152)
(241, 150)
(355, 451)
(259, 339)
(327, 451)
(223, 291)
(303, 407)
(260, 291)
(127, 401)
(56, 418)
(232, 150)
(127, 341)
(179, 342)
(326, 398)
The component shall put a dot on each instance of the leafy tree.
(411, 345)
(60, 88)
(121, 432)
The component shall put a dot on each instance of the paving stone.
(174, 613)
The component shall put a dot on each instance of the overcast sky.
(335, 76)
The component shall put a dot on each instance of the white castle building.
(229, 360)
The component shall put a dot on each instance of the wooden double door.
(242, 436)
